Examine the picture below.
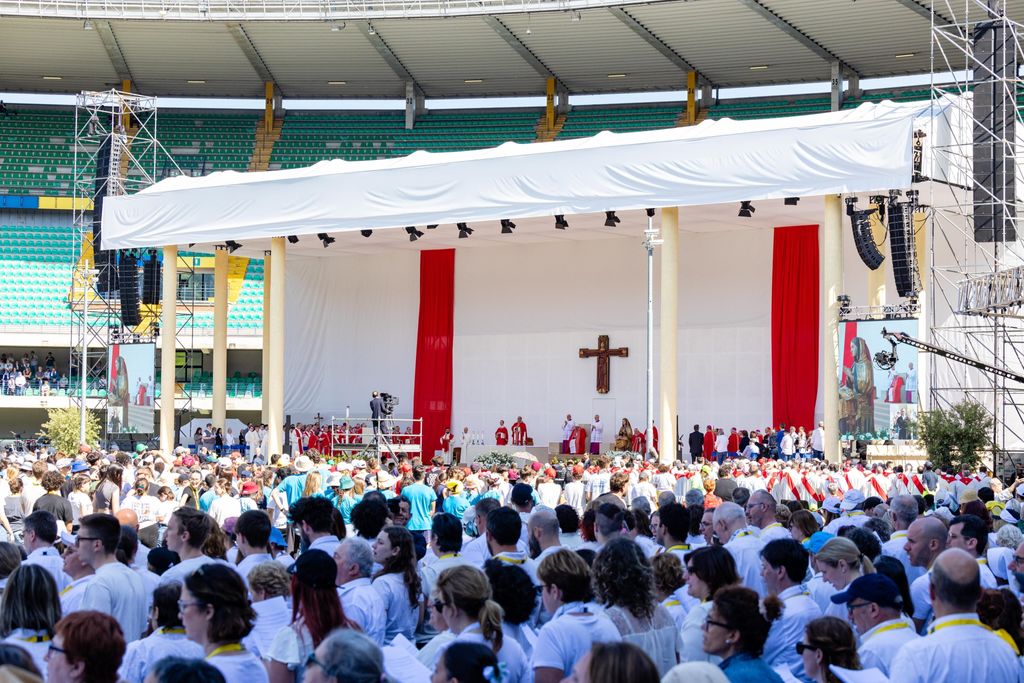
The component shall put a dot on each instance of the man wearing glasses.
(115, 589)
(875, 608)
(760, 511)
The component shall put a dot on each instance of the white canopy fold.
(860, 150)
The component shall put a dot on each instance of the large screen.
(130, 388)
(876, 403)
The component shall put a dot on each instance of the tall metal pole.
(84, 364)
(651, 240)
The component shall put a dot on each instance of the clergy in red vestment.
(519, 432)
(709, 443)
(297, 444)
(446, 440)
(638, 444)
(311, 439)
(501, 434)
(654, 446)
(578, 440)
(733, 445)
(324, 441)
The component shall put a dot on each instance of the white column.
(220, 336)
(274, 383)
(669, 334)
(168, 348)
(265, 412)
(832, 281)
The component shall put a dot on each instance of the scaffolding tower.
(975, 256)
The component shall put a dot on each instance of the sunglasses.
(804, 647)
(438, 606)
(712, 622)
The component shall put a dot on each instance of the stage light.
(366, 233)
(325, 238)
(232, 246)
(649, 212)
(791, 201)
(610, 219)
(464, 230)
(844, 305)
(746, 210)
(507, 226)
(560, 222)
(431, 227)
(293, 239)
(413, 233)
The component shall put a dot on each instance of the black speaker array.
(903, 249)
(151, 280)
(863, 239)
(128, 280)
(106, 260)
(995, 111)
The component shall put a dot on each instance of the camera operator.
(378, 411)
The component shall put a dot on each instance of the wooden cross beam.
(603, 353)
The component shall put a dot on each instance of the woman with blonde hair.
(840, 561)
(314, 485)
(464, 600)
(828, 642)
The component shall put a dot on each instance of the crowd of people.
(19, 376)
(146, 567)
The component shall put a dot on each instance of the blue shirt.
(206, 500)
(291, 486)
(743, 668)
(455, 505)
(421, 498)
(345, 505)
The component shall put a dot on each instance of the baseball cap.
(277, 538)
(315, 568)
(817, 540)
(852, 499)
(877, 588)
(77, 467)
(521, 494)
(831, 504)
(249, 488)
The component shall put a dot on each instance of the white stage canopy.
(860, 150)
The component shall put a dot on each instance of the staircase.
(545, 134)
(264, 147)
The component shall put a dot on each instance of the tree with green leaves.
(63, 427)
(959, 436)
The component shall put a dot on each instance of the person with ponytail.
(828, 641)
(840, 561)
(398, 582)
(316, 611)
(464, 600)
(467, 663)
(736, 630)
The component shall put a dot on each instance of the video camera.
(390, 401)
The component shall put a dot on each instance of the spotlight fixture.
(431, 227)
(649, 212)
(746, 210)
(791, 201)
(366, 233)
(293, 239)
(560, 222)
(844, 305)
(232, 246)
(325, 238)
(464, 230)
(413, 233)
(507, 226)
(610, 219)
(87, 26)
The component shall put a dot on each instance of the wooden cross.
(603, 353)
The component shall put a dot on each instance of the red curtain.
(795, 325)
(432, 393)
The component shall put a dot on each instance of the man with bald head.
(543, 533)
(926, 539)
(730, 523)
(128, 518)
(760, 510)
(903, 512)
(958, 646)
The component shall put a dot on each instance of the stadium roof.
(454, 48)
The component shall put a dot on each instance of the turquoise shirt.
(421, 499)
(456, 505)
(743, 668)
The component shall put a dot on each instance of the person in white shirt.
(926, 539)
(225, 505)
(903, 511)
(852, 508)
(575, 624)
(39, 535)
(970, 534)
(761, 514)
(840, 562)
(115, 589)
(549, 492)
(80, 573)
(784, 564)
(818, 441)
(596, 433)
(958, 646)
(575, 491)
(360, 600)
(543, 534)
(186, 533)
(730, 523)
(504, 528)
(269, 586)
(477, 551)
(444, 550)
(252, 537)
(313, 517)
(875, 607)
(398, 582)
(167, 639)
(643, 488)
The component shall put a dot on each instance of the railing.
(278, 10)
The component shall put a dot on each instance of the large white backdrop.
(522, 312)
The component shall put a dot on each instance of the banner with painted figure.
(130, 388)
(877, 403)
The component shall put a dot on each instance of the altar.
(476, 451)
